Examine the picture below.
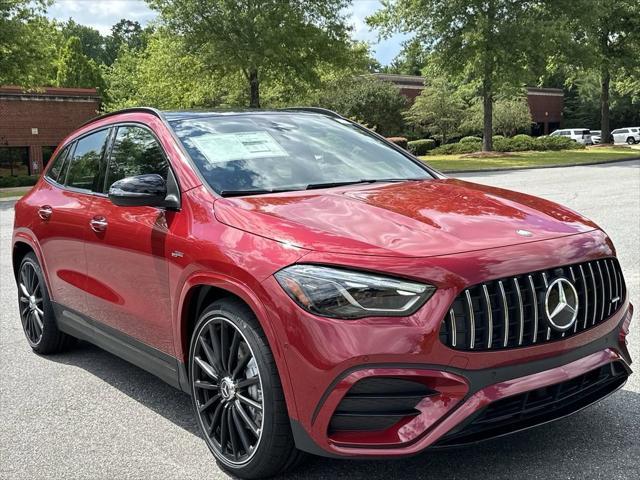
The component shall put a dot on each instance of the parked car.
(316, 288)
(596, 136)
(629, 135)
(580, 135)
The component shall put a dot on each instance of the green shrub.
(421, 147)
(18, 181)
(457, 148)
(521, 143)
(498, 137)
(470, 139)
(503, 144)
(556, 143)
(400, 141)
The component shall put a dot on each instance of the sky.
(101, 14)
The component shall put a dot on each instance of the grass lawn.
(450, 163)
(13, 192)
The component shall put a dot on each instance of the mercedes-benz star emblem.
(561, 304)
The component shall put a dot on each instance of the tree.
(284, 38)
(438, 109)
(75, 69)
(124, 32)
(91, 41)
(510, 116)
(165, 75)
(606, 40)
(411, 59)
(27, 48)
(373, 102)
(490, 42)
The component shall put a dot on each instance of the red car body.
(144, 274)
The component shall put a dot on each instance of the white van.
(629, 135)
(580, 135)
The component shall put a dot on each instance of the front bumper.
(449, 418)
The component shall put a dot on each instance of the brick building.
(33, 123)
(545, 104)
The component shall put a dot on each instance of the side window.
(58, 164)
(135, 152)
(84, 169)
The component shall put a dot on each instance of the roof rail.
(324, 111)
(150, 110)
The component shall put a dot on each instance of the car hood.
(418, 219)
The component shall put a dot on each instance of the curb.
(10, 199)
(538, 167)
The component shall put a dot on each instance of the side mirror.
(141, 191)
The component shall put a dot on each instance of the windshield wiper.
(256, 191)
(313, 186)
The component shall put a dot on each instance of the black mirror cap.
(148, 190)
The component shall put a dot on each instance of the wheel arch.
(199, 292)
(23, 244)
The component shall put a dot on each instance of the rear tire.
(238, 401)
(36, 310)
(631, 141)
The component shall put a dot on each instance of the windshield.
(279, 151)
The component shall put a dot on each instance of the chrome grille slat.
(601, 291)
(617, 293)
(546, 285)
(507, 312)
(521, 310)
(586, 299)
(534, 297)
(595, 295)
(487, 300)
(472, 327)
(454, 327)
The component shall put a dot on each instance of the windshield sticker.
(225, 147)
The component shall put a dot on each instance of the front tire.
(631, 141)
(237, 395)
(36, 311)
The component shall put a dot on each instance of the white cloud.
(102, 14)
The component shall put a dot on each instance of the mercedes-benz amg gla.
(316, 288)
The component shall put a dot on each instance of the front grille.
(377, 403)
(539, 406)
(510, 312)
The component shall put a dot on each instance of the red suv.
(315, 288)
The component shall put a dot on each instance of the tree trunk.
(605, 78)
(254, 89)
(487, 120)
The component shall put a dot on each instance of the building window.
(47, 153)
(14, 161)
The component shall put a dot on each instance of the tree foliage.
(27, 48)
(165, 75)
(376, 103)
(605, 39)
(270, 38)
(438, 110)
(511, 115)
(489, 42)
(75, 69)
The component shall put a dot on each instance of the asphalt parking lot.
(89, 415)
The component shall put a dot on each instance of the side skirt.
(163, 366)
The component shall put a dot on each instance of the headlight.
(331, 292)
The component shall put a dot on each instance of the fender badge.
(524, 233)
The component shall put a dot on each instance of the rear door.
(64, 203)
(127, 266)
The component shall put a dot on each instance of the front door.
(127, 268)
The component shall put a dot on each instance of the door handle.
(98, 224)
(44, 212)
